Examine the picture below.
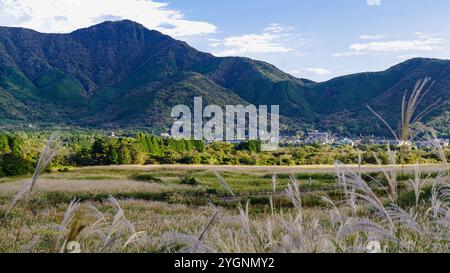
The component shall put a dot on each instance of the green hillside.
(122, 75)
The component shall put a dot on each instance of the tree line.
(19, 152)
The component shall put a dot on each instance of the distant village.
(325, 138)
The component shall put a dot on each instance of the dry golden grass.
(167, 227)
(259, 169)
(45, 220)
(104, 186)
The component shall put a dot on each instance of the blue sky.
(315, 39)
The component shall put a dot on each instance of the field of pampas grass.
(390, 215)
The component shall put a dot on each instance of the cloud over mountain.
(272, 39)
(63, 16)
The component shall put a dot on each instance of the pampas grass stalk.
(48, 153)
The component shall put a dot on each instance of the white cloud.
(277, 28)
(271, 40)
(372, 37)
(315, 73)
(406, 57)
(419, 42)
(374, 2)
(319, 71)
(62, 16)
(399, 45)
(348, 54)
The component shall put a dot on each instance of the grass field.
(168, 182)
(222, 209)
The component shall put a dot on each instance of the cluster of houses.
(427, 143)
(325, 138)
(317, 137)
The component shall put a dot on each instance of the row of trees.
(13, 160)
(19, 152)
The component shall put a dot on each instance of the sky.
(313, 39)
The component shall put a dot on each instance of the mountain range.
(122, 75)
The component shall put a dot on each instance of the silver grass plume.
(409, 107)
(48, 153)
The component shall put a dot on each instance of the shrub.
(15, 165)
(251, 146)
(187, 180)
(63, 170)
(189, 159)
(145, 177)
